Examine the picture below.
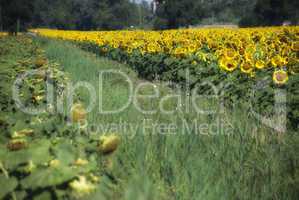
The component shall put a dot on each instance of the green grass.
(250, 163)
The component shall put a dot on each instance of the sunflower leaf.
(48, 177)
(7, 185)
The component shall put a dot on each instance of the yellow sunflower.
(230, 54)
(278, 61)
(80, 162)
(192, 48)
(280, 77)
(246, 67)
(180, 52)
(82, 186)
(109, 144)
(228, 65)
(295, 46)
(104, 50)
(22, 133)
(260, 64)
(78, 113)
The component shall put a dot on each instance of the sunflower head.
(230, 54)
(80, 162)
(108, 144)
(280, 77)
(22, 133)
(78, 113)
(129, 50)
(104, 50)
(246, 67)
(180, 52)
(278, 61)
(260, 64)
(54, 163)
(192, 48)
(228, 65)
(152, 48)
(82, 187)
(17, 144)
(40, 62)
(295, 46)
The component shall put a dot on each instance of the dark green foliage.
(111, 15)
(15, 14)
(8, 185)
(84, 15)
(272, 12)
(174, 14)
(72, 14)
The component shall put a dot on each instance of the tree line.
(182, 13)
(123, 14)
(72, 14)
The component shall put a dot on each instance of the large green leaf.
(43, 196)
(38, 153)
(48, 177)
(7, 185)
(65, 152)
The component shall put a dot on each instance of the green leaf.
(65, 152)
(43, 196)
(38, 153)
(20, 195)
(48, 177)
(7, 185)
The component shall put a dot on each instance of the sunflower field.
(248, 50)
(43, 157)
(240, 58)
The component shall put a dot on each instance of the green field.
(249, 161)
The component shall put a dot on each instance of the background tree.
(272, 12)
(15, 14)
(122, 14)
(176, 13)
(85, 14)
